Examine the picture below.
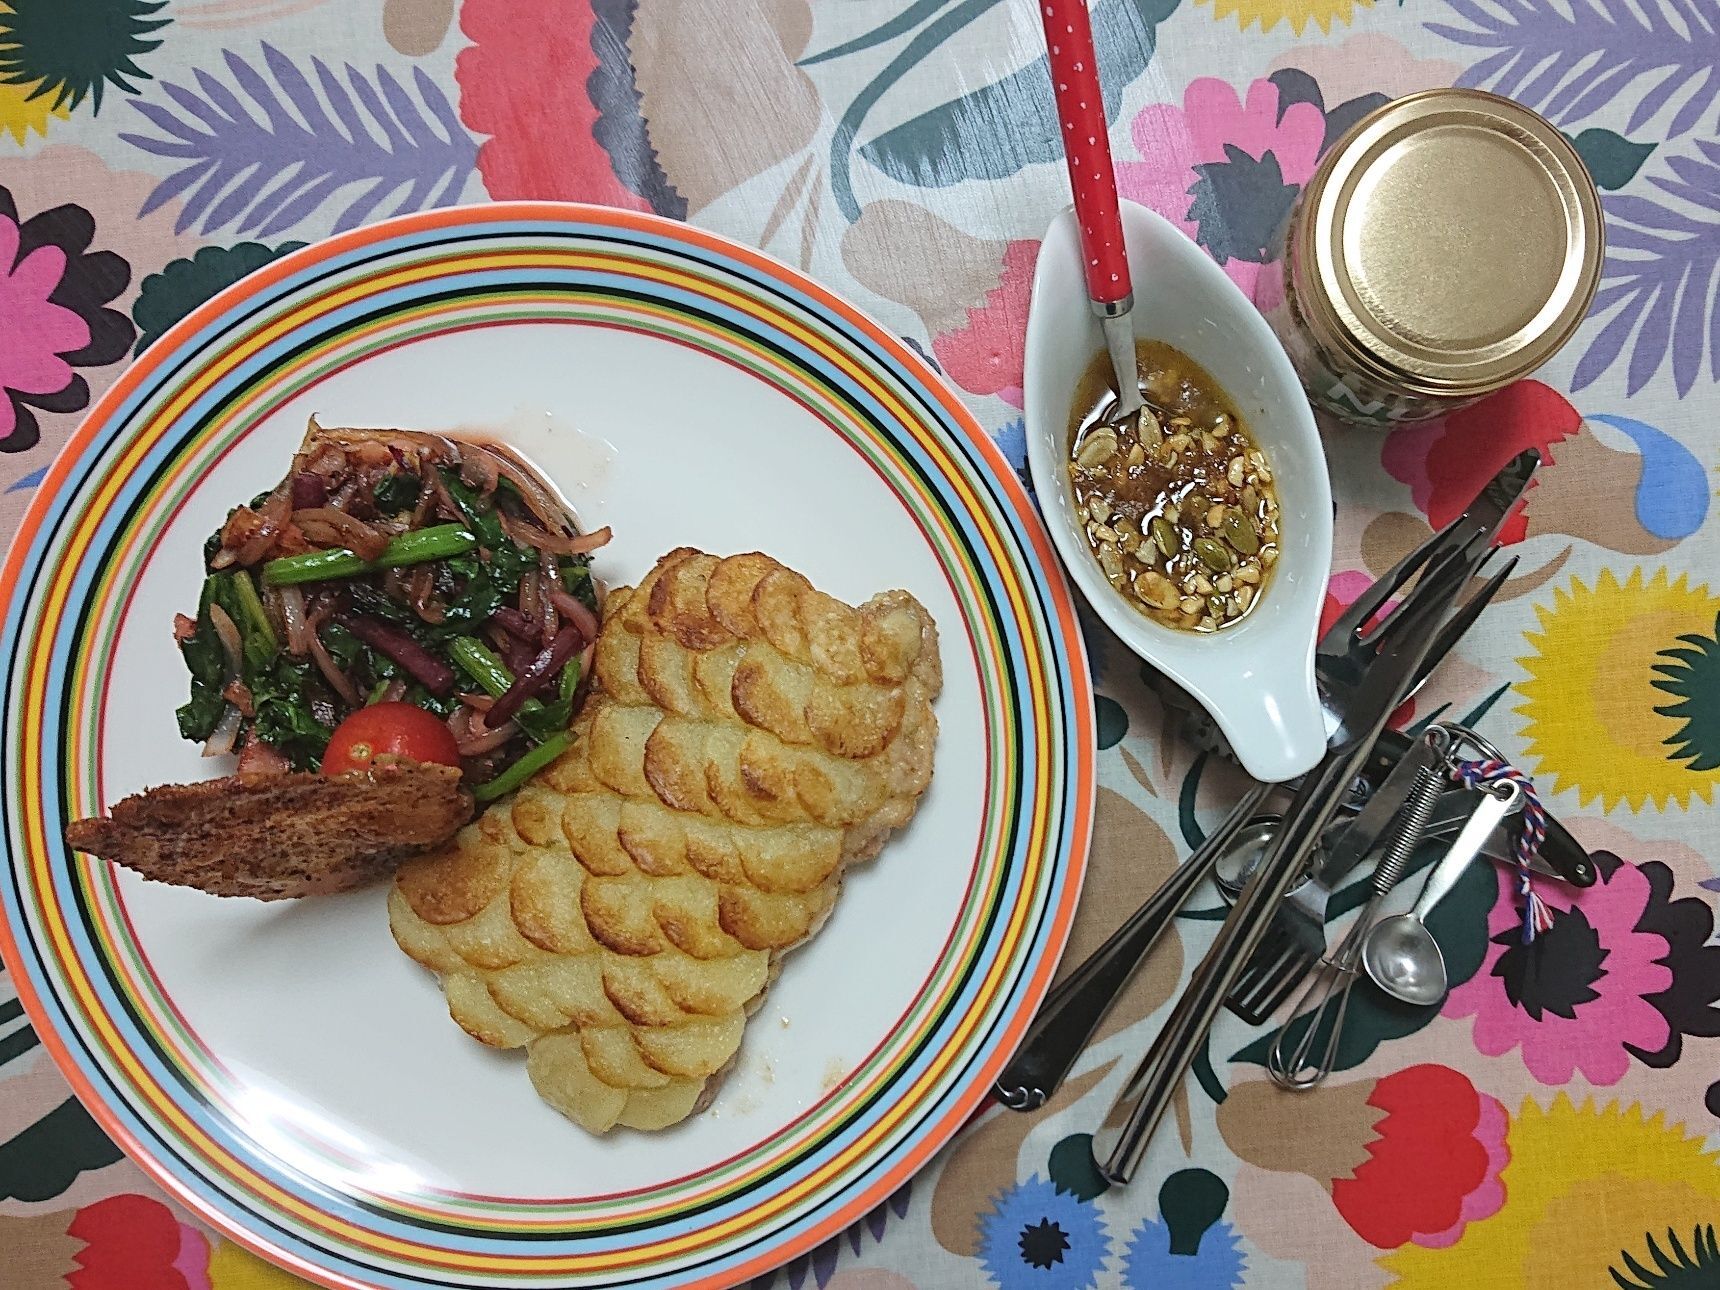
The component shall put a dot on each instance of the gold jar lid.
(1450, 242)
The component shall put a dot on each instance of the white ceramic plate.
(286, 1070)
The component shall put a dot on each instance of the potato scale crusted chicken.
(747, 738)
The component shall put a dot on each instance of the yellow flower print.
(1597, 721)
(20, 115)
(1585, 1188)
(233, 1267)
(1298, 13)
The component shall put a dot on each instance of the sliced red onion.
(577, 612)
(228, 632)
(532, 490)
(478, 469)
(435, 675)
(220, 741)
(529, 603)
(362, 539)
(555, 543)
(477, 737)
(393, 692)
(293, 615)
(270, 518)
(550, 661)
(434, 446)
(423, 586)
(337, 679)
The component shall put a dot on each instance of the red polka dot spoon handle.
(1081, 112)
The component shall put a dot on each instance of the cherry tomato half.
(384, 732)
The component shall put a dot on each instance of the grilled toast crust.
(279, 836)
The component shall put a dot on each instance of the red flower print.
(1434, 1162)
(135, 1243)
(524, 83)
(1446, 462)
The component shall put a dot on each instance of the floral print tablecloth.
(1556, 1122)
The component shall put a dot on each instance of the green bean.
(529, 764)
(493, 676)
(481, 665)
(251, 606)
(438, 543)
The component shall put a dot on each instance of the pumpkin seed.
(1097, 449)
(1213, 554)
(1240, 533)
(1164, 536)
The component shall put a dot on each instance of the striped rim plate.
(286, 1072)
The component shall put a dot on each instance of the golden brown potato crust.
(747, 737)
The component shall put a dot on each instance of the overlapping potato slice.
(746, 738)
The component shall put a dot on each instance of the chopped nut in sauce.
(1178, 503)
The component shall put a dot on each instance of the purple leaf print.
(1568, 58)
(1659, 280)
(363, 137)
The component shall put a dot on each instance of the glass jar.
(1446, 246)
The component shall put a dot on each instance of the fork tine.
(1265, 960)
(1366, 605)
(1429, 601)
(1258, 1005)
(1461, 621)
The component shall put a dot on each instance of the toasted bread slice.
(278, 836)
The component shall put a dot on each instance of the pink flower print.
(55, 319)
(1492, 1124)
(1577, 999)
(985, 356)
(34, 331)
(1218, 152)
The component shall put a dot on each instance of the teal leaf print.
(994, 131)
(75, 55)
(1612, 159)
(46, 1158)
(166, 297)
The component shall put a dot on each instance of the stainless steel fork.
(1379, 671)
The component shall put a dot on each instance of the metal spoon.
(1400, 954)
